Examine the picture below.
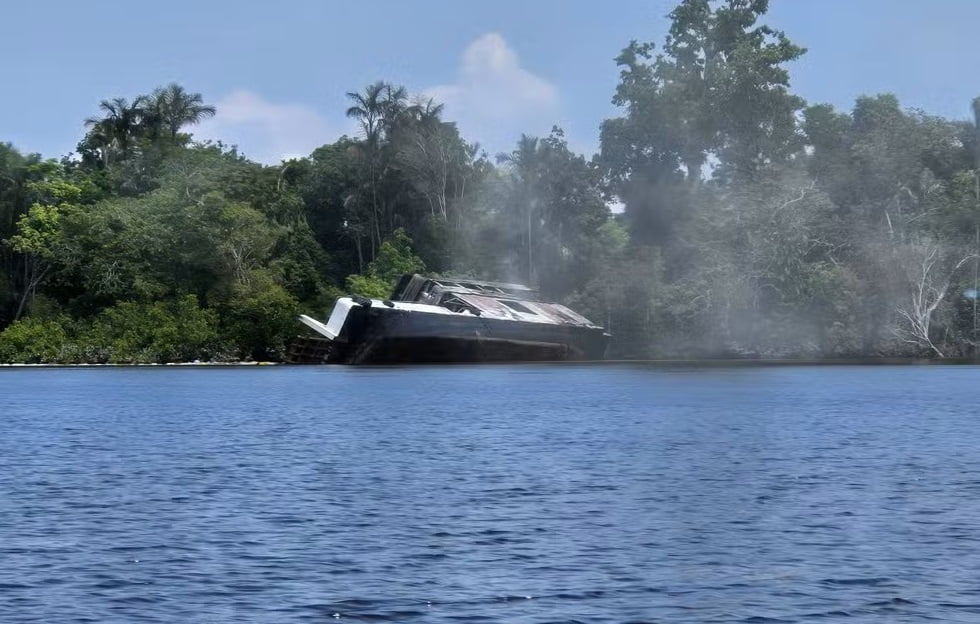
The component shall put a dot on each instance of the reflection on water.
(484, 494)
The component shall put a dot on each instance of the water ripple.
(532, 494)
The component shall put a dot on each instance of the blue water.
(523, 494)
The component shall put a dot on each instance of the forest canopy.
(754, 223)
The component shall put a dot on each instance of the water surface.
(490, 494)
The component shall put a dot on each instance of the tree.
(149, 332)
(17, 172)
(113, 134)
(929, 277)
(552, 198)
(172, 107)
(436, 159)
(377, 110)
(258, 318)
(38, 237)
(395, 259)
(242, 237)
(34, 341)
(718, 92)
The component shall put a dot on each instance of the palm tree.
(367, 109)
(425, 112)
(379, 109)
(171, 108)
(429, 153)
(117, 128)
(393, 108)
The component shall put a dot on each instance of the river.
(527, 494)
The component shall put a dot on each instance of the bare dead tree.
(929, 282)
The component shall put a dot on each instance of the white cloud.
(266, 131)
(494, 98)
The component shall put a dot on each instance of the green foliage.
(718, 92)
(139, 131)
(143, 333)
(259, 319)
(34, 341)
(119, 249)
(550, 205)
(38, 231)
(170, 108)
(240, 234)
(394, 260)
(753, 225)
(368, 286)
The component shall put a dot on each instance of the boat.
(442, 320)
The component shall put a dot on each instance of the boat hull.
(384, 335)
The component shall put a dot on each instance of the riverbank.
(151, 365)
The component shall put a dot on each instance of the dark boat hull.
(383, 335)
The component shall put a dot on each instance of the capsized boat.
(435, 319)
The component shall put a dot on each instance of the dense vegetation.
(754, 223)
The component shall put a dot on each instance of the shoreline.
(151, 365)
(665, 363)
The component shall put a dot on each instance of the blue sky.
(278, 71)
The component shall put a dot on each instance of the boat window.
(513, 305)
(451, 302)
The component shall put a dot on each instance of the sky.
(279, 71)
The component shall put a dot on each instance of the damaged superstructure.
(434, 319)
